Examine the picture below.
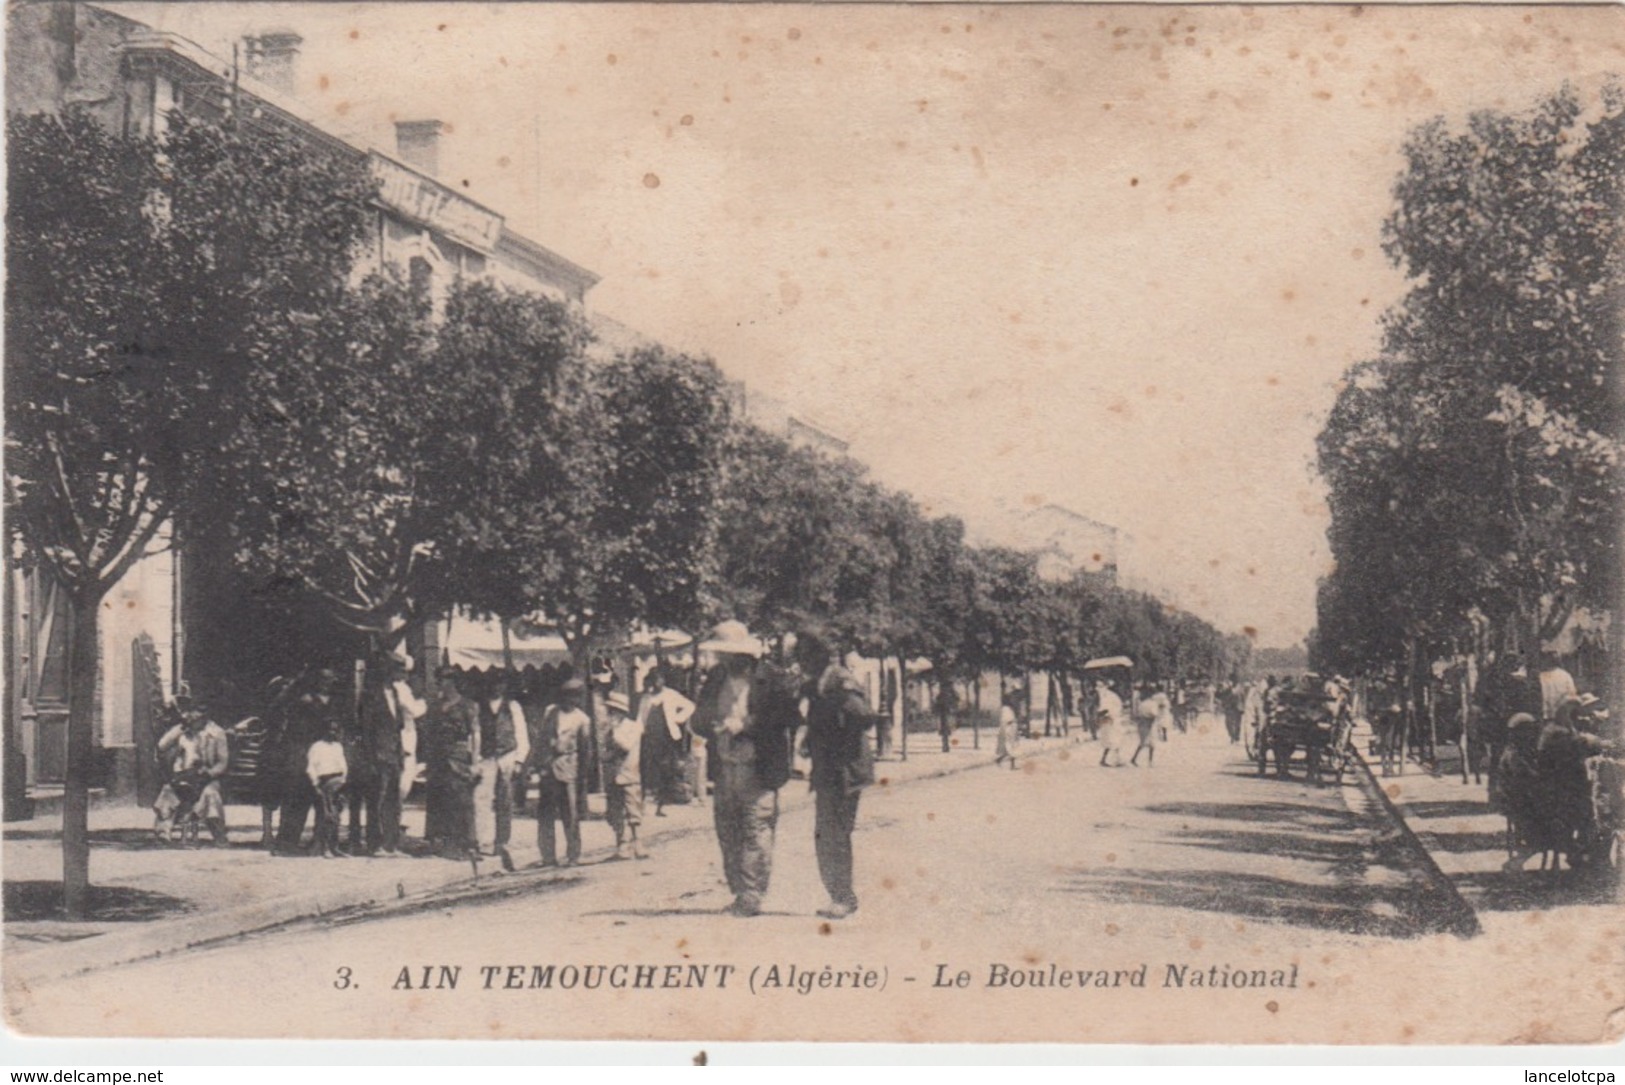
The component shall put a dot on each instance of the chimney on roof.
(418, 144)
(272, 57)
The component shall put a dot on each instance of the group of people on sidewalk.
(485, 735)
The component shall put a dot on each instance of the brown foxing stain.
(824, 928)
(888, 883)
(322, 82)
(925, 944)
(1112, 929)
(1273, 1006)
(612, 60)
(1065, 755)
(1029, 768)
(1195, 943)
(342, 108)
(651, 180)
(1392, 791)
(503, 162)
(687, 120)
(1111, 857)
(992, 818)
(354, 34)
(794, 34)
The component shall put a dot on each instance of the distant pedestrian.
(1109, 724)
(1230, 703)
(1151, 718)
(946, 704)
(842, 766)
(1007, 730)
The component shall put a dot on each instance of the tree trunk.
(976, 717)
(902, 703)
(81, 757)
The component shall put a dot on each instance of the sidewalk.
(154, 899)
(1466, 837)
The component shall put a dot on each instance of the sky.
(1111, 257)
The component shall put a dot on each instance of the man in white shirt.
(407, 708)
(1557, 686)
(663, 716)
(562, 734)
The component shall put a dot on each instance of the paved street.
(1196, 869)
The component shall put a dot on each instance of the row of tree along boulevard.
(193, 352)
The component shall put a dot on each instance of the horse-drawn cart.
(1307, 719)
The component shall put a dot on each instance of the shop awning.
(475, 644)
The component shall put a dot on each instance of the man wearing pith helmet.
(743, 713)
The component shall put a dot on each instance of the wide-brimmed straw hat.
(618, 702)
(733, 638)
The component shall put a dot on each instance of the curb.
(1441, 907)
(104, 951)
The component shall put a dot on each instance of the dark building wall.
(62, 54)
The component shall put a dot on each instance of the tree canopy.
(1474, 466)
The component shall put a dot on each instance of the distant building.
(1067, 542)
(774, 416)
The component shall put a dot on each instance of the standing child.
(623, 775)
(328, 772)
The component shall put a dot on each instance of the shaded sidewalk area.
(152, 898)
(1467, 838)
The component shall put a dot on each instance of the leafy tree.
(1476, 464)
(148, 285)
(329, 486)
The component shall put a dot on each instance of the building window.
(421, 276)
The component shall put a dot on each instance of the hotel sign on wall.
(422, 200)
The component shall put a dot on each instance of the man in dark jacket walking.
(842, 766)
(744, 713)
